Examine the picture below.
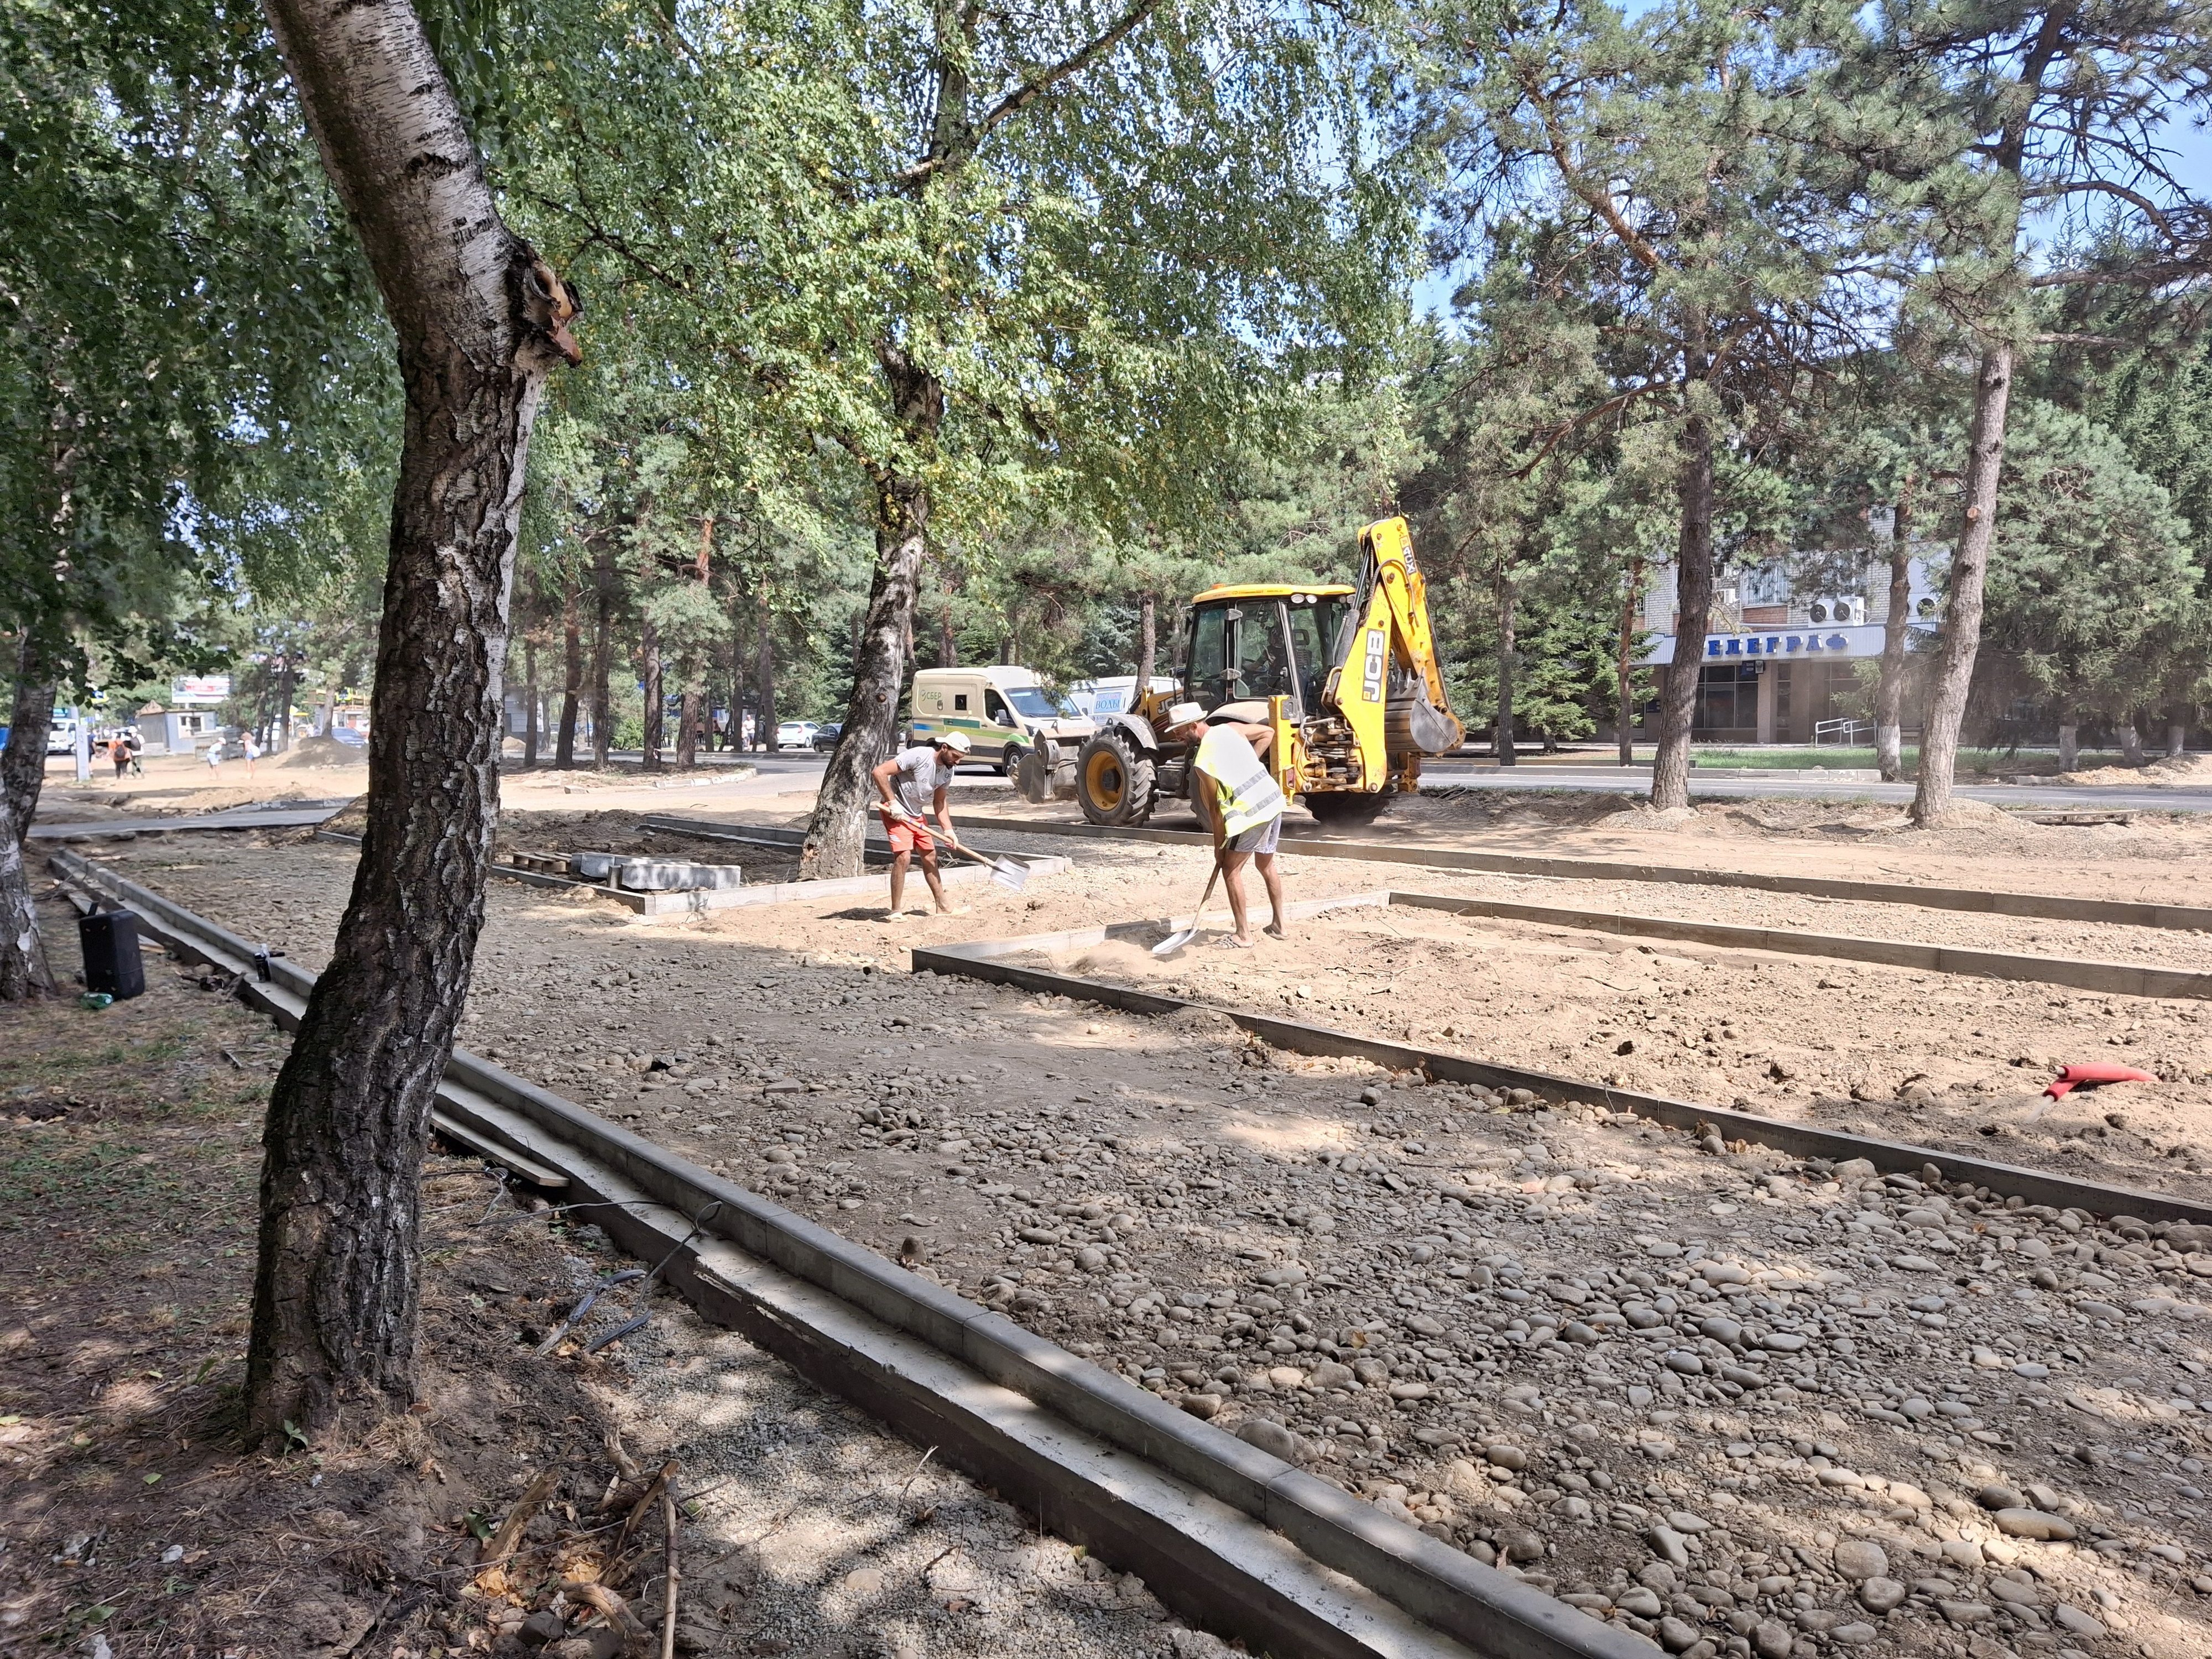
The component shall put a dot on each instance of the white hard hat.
(1184, 713)
(955, 740)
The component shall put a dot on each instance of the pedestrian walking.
(252, 754)
(1241, 804)
(118, 750)
(911, 783)
(213, 757)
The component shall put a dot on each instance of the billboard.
(194, 691)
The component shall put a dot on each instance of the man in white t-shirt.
(1239, 801)
(912, 783)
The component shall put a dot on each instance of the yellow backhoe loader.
(1348, 677)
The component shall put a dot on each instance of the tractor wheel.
(1114, 782)
(1348, 809)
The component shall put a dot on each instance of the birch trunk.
(480, 322)
(23, 970)
(833, 835)
(1962, 610)
(1148, 645)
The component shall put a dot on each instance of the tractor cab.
(1260, 641)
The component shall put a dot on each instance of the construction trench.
(1749, 1380)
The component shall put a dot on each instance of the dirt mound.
(1650, 817)
(2180, 768)
(321, 752)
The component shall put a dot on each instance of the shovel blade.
(1011, 876)
(1174, 942)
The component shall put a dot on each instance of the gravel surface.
(1693, 1389)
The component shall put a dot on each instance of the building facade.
(1778, 663)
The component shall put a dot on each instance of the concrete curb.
(1193, 1512)
(1977, 900)
(2086, 974)
(989, 962)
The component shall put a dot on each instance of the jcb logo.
(1378, 650)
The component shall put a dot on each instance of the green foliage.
(2091, 568)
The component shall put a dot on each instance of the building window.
(1727, 699)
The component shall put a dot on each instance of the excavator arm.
(1391, 628)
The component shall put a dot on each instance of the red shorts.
(907, 835)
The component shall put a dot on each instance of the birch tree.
(480, 322)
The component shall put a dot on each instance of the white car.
(796, 734)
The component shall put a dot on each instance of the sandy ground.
(2162, 857)
(1524, 1330)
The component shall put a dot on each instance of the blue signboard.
(1769, 645)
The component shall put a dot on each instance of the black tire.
(1009, 756)
(1116, 782)
(1346, 809)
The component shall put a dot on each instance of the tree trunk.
(480, 322)
(1889, 690)
(23, 970)
(331, 701)
(948, 644)
(285, 678)
(2177, 733)
(649, 649)
(1962, 609)
(529, 699)
(687, 720)
(2069, 743)
(602, 651)
(1693, 599)
(764, 675)
(1625, 667)
(834, 833)
(572, 679)
(1502, 740)
(1148, 645)
(2132, 743)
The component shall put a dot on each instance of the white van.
(1116, 695)
(1003, 711)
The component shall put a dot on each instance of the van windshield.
(1038, 703)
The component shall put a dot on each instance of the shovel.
(1004, 871)
(1175, 942)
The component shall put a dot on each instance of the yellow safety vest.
(1244, 787)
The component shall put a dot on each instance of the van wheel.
(1009, 758)
(1115, 783)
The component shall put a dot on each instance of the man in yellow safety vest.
(1237, 796)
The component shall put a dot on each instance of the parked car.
(825, 737)
(352, 736)
(796, 734)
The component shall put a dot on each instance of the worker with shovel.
(912, 782)
(1241, 802)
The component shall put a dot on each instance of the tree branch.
(1036, 86)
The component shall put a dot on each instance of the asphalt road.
(794, 768)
